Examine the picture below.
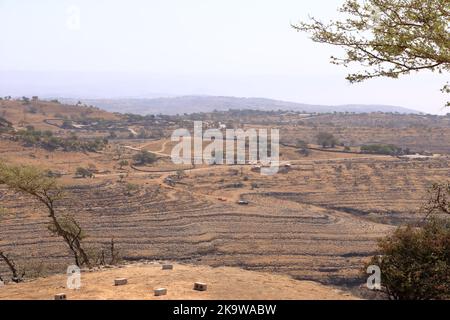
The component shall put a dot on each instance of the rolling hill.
(191, 104)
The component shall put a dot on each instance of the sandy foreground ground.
(223, 283)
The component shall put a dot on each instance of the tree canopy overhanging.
(388, 38)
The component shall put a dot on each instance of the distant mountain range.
(191, 104)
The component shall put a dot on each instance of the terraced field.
(303, 241)
(318, 222)
(318, 219)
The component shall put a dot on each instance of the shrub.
(144, 157)
(67, 124)
(387, 149)
(46, 140)
(326, 139)
(131, 188)
(32, 110)
(301, 144)
(83, 173)
(415, 262)
(304, 152)
(123, 163)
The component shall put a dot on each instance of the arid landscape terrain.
(317, 220)
(224, 283)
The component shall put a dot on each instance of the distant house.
(416, 156)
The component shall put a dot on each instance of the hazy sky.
(217, 47)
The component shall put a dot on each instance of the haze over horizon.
(170, 48)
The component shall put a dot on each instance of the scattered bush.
(25, 100)
(304, 152)
(131, 188)
(32, 110)
(326, 140)
(144, 157)
(5, 125)
(386, 149)
(46, 140)
(236, 185)
(301, 144)
(83, 173)
(123, 163)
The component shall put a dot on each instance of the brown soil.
(223, 283)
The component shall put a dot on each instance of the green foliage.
(415, 262)
(70, 225)
(144, 157)
(304, 152)
(387, 149)
(326, 139)
(46, 140)
(123, 163)
(83, 172)
(3, 212)
(67, 124)
(32, 110)
(5, 125)
(30, 180)
(388, 38)
(36, 183)
(131, 188)
(301, 144)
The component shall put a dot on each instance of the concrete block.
(167, 267)
(200, 286)
(120, 281)
(160, 292)
(60, 296)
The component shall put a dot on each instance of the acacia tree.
(17, 276)
(33, 182)
(388, 38)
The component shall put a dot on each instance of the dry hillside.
(223, 284)
(318, 219)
